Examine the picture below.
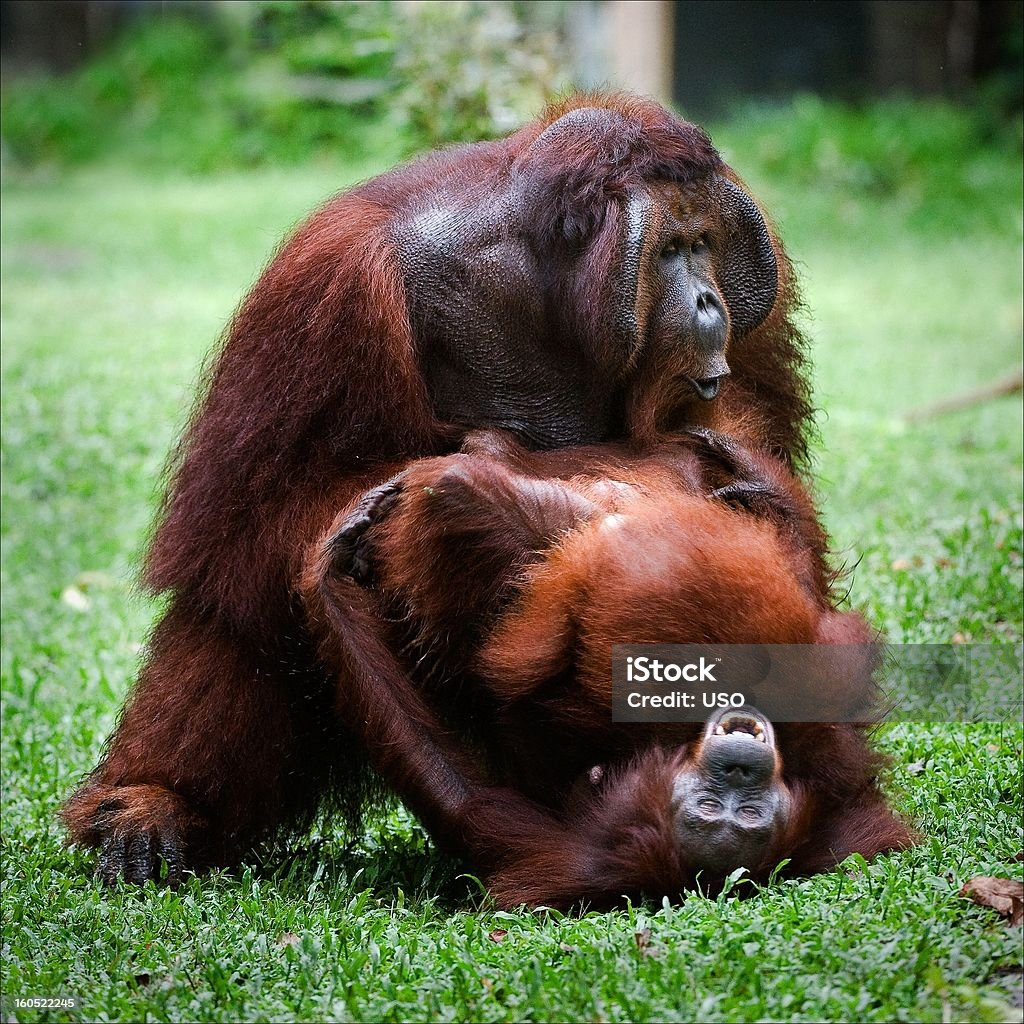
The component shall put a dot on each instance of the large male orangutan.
(582, 281)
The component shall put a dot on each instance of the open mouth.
(743, 723)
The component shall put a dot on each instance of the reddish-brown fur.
(514, 575)
(236, 728)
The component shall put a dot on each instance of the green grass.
(115, 284)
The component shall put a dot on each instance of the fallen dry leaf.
(1003, 895)
(498, 935)
(643, 943)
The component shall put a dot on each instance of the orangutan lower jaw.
(729, 803)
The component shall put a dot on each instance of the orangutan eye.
(696, 247)
(709, 805)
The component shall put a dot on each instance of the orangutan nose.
(707, 387)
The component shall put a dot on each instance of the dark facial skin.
(690, 312)
(729, 803)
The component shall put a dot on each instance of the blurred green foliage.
(949, 167)
(160, 96)
(476, 70)
(279, 82)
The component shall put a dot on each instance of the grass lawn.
(115, 284)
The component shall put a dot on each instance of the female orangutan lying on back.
(508, 575)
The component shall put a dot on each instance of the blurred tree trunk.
(638, 36)
(44, 35)
(962, 44)
(929, 46)
(58, 35)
